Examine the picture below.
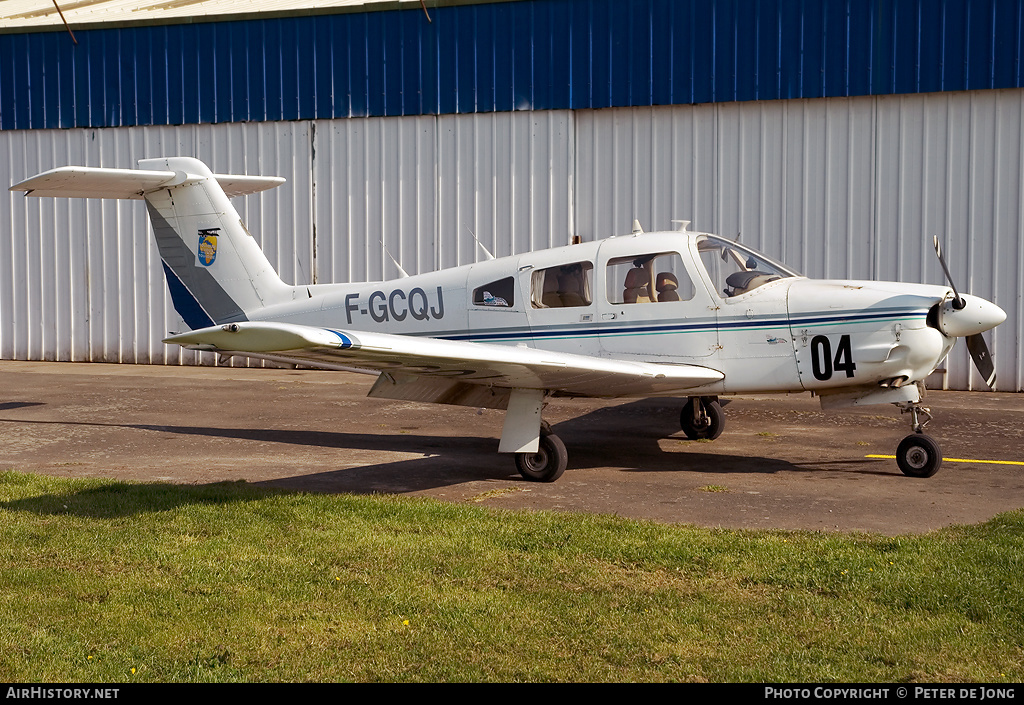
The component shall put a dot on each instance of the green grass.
(112, 582)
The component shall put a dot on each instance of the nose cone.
(977, 316)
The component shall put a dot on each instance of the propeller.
(979, 316)
(958, 301)
(978, 348)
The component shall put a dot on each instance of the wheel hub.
(917, 458)
(537, 461)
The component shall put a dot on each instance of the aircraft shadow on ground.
(10, 405)
(656, 444)
(627, 436)
(115, 499)
(449, 461)
(630, 437)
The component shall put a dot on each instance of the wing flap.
(467, 363)
(408, 387)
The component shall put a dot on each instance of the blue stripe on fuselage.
(815, 319)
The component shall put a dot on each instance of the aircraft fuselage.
(786, 334)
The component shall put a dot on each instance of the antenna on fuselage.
(400, 270)
(637, 230)
(486, 251)
(683, 225)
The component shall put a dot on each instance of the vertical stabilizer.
(206, 248)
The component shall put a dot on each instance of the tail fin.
(204, 244)
(215, 271)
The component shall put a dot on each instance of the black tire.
(547, 464)
(918, 455)
(714, 419)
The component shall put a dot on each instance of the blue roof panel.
(701, 53)
(1006, 68)
(906, 74)
(530, 54)
(500, 57)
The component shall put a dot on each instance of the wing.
(448, 371)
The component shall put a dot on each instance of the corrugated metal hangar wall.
(837, 174)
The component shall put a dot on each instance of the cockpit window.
(735, 269)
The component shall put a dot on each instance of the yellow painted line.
(959, 460)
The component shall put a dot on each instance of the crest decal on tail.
(207, 249)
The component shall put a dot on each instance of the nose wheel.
(702, 418)
(918, 455)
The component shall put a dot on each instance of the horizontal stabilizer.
(132, 184)
(495, 366)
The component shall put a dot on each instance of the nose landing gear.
(702, 418)
(918, 455)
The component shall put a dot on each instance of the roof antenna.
(637, 230)
(400, 270)
(486, 251)
(683, 225)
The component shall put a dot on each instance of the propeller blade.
(958, 301)
(978, 348)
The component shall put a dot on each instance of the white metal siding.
(419, 186)
(843, 188)
(82, 280)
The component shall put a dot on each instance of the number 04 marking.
(823, 365)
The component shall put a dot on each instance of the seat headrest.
(636, 277)
(666, 281)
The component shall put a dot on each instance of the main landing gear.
(702, 418)
(550, 460)
(918, 454)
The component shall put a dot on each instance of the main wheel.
(547, 464)
(710, 426)
(918, 455)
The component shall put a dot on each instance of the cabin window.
(500, 294)
(564, 286)
(653, 278)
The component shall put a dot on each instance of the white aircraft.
(661, 314)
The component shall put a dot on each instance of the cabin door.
(654, 307)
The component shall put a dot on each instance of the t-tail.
(215, 271)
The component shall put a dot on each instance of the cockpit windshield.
(735, 269)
